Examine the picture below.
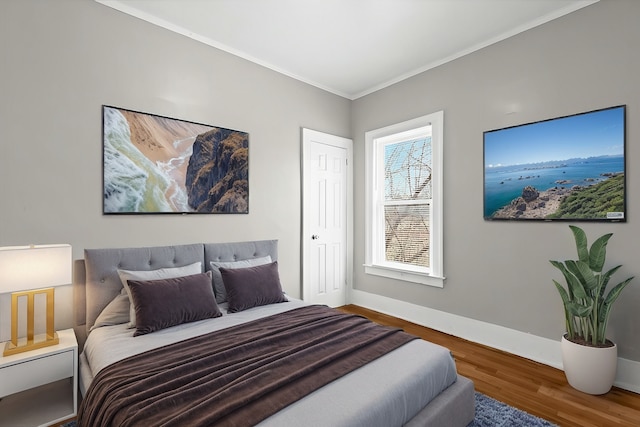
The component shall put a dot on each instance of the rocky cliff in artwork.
(534, 204)
(217, 178)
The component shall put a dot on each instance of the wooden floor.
(538, 389)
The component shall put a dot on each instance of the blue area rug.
(489, 413)
(492, 413)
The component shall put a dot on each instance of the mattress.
(389, 391)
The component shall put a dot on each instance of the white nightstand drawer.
(36, 372)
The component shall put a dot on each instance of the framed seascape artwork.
(159, 165)
(568, 168)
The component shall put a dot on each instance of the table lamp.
(27, 271)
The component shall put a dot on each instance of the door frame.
(309, 136)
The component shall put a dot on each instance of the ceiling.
(348, 47)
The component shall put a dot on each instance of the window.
(404, 200)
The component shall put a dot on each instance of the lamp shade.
(24, 268)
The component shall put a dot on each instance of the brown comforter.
(237, 376)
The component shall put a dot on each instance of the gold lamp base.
(32, 341)
(39, 341)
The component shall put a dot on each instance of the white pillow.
(115, 313)
(162, 273)
(218, 284)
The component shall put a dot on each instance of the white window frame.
(375, 262)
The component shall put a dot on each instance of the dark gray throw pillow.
(163, 303)
(252, 286)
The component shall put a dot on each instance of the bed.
(398, 381)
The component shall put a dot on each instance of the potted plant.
(589, 359)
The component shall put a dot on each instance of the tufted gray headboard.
(96, 281)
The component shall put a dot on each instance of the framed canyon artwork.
(569, 168)
(159, 165)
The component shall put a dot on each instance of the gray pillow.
(163, 303)
(115, 313)
(252, 286)
(218, 285)
(162, 273)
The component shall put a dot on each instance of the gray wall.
(62, 60)
(498, 272)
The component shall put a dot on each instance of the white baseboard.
(539, 349)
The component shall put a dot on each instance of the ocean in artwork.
(132, 182)
(502, 184)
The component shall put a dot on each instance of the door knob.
(314, 237)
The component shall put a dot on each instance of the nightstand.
(40, 387)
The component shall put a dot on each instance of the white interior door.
(327, 202)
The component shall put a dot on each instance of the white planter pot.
(589, 369)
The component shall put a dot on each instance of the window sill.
(407, 276)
